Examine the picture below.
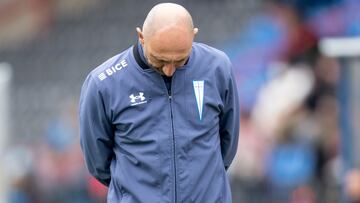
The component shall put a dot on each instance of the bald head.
(167, 37)
(166, 15)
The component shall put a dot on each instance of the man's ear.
(140, 35)
(196, 30)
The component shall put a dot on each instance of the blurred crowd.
(290, 138)
(51, 168)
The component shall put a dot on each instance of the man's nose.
(169, 69)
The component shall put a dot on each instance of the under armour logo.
(137, 99)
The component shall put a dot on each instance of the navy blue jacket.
(152, 147)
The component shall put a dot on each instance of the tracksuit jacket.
(152, 145)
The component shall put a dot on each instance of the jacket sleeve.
(229, 118)
(96, 132)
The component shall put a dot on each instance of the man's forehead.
(168, 55)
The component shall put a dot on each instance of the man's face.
(168, 49)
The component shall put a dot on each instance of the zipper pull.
(170, 97)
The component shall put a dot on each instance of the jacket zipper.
(174, 149)
(173, 137)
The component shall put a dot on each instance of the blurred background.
(297, 64)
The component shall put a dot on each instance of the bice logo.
(112, 70)
(137, 99)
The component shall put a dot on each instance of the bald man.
(159, 122)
